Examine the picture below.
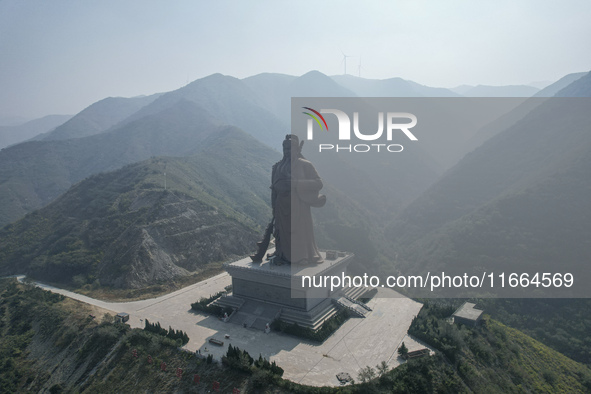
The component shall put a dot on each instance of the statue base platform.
(263, 292)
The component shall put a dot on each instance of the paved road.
(358, 343)
(178, 298)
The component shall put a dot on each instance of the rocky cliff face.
(182, 236)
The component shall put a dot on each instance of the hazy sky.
(60, 56)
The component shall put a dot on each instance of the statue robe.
(295, 187)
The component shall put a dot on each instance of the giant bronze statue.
(295, 187)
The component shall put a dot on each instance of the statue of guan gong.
(295, 187)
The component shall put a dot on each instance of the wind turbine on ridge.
(359, 67)
(345, 61)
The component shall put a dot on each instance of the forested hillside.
(125, 229)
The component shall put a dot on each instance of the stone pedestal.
(266, 291)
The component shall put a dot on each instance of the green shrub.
(203, 305)
(177, 338)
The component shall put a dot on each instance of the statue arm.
(311, 181)
(308, 188)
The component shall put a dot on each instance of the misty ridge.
(116, 132)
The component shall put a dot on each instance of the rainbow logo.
(315, 118)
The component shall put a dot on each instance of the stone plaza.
(357, 343)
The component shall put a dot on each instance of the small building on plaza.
(468, 314)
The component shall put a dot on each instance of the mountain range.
(496, 91)
(13, 134)
(116, 132)
(392, 87)
(554, 88)
(531, 171)
(512, 202)
(34, 173)
(97, 118)
(100, 137)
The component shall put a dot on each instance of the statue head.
(292, 146)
